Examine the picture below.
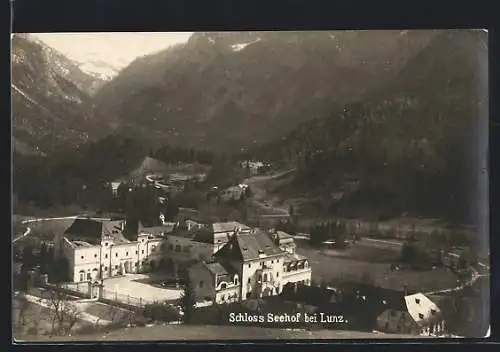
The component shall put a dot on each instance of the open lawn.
(209, 332)
(37, 320)
(371, 264)
(106, 312)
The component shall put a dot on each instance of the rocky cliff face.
(416, 145)
(231, 90)
(51, 98)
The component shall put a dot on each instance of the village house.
(215, 282)
(253, 166)
(257, 266)
(416, 315)
(222, 232)
(285, 241)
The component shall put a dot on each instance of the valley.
(353, 155)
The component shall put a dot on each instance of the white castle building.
(225, 261)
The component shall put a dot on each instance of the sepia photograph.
(259, 185)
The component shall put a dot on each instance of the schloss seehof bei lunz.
(285, 318)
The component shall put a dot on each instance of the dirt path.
(261, 197)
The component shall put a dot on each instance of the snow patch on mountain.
(99, 69)
(24, 94)
(241, 46)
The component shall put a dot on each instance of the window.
(178, 248)
(277, 260)
(236, 280)
(201, 283)
(136, 264)
(420, 315)
(417, 301)
(106, 256)
(126, 253)
(136, 252)
(260, 277)
(106, 268)
(223, 286)
(142, 251)
(95, 255)
(116, 267)
(81, 257)
(265, 277)
(249, 280)
(272, 261)
(249, 265)
(116, 254)
(387, 325)
(277, 274)
(106, 243)
(262, 264)
(89, 276)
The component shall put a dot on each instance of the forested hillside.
(228, 90)
(411, 147)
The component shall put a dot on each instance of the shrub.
(160, 312)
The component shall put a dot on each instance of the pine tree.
(188, 302)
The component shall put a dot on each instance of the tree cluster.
(331, 230)
(170, 154)
(188, 301)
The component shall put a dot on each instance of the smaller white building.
(417, 315)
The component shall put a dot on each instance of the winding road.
(35, 220)
(261, 197)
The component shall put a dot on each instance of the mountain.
(412, 147)
(230, 90)
(101, 70)
(51, 98)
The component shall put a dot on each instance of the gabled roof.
(92, 231)
(421, 308)
(228, 226)
(202, 235)
(249, 246)
(217, 268)
(157, 230)
(283, 235)
(293, 257)
(86, 230)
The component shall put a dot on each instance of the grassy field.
(106, 312)
(37, 319)
(45, 230)
(207, 332)
(370, 264)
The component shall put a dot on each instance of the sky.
(116, 49)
